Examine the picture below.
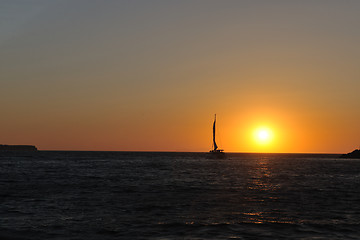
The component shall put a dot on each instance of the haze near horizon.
(150, 75)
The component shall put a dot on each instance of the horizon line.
(162, 151)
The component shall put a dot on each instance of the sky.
(150, 75)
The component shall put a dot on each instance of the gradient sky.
(150, 75)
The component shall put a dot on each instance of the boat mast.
(215, 146)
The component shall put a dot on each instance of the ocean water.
(138, 195)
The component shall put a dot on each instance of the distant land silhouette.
(353, 154)
(17, 148)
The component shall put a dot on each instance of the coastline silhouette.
(353, 154)
(17, 148)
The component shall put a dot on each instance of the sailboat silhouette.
(215, 146)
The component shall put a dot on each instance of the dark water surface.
(132, 195)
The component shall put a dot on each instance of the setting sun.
(263, 135)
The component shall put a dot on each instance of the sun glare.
(263, 135)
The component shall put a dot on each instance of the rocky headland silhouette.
(353, 154)
(17, 148)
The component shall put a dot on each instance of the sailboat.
(215, 149)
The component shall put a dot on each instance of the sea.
(170, 195)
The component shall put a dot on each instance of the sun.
(263, 135)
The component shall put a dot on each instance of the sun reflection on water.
(261, 175)
(262, 191)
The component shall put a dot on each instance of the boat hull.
(220, 151)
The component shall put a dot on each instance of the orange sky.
(149, 76)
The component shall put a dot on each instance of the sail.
(215, 146)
